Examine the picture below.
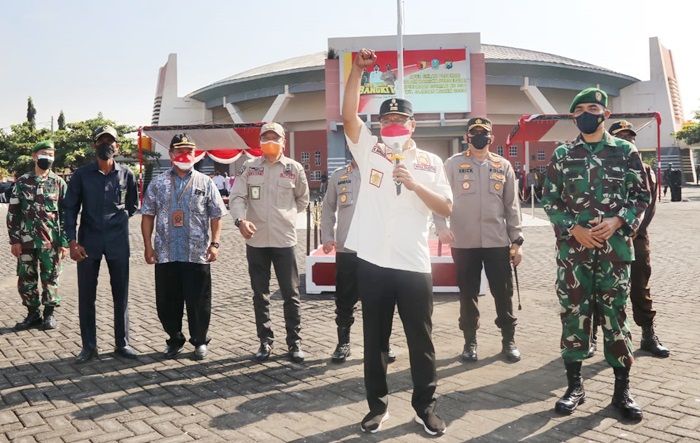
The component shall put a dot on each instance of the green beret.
(590, 95)
(44, 144)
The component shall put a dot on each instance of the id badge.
(254, 192)
(178, 218)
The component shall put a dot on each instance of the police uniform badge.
(497, 186)
(465, 185)
(375, 178)
(393, 106)
(254, 192)
(598, 96)
(343, 198)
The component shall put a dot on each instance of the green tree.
(74, 145)
(690, 133)
(31, 113)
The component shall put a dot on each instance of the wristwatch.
(215, 244)
(518, 241)
(237, 222)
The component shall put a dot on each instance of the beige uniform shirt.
(270, 195)
(389, 230)
(486, 209)
(341, 196)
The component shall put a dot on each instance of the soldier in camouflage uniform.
(35, 228)
(595, 197)
(640, 271)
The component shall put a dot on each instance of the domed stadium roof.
(493, 54)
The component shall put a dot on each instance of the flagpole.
(399, 50)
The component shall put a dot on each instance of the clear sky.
(90, 56)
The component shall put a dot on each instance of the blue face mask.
(588, 123)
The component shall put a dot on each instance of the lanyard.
(178, 197)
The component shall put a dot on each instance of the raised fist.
(365, 58)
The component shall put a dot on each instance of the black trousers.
(640, 295)
(347, 292)
(88, 271)
(285, 264)
(180, 284)
(380, 290)
(496, 262)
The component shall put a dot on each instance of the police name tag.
(254, 192)
(178, 218)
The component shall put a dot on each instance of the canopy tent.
(223, 143)
(561, 128)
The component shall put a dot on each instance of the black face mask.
(480, 141)
(105, 151)
(588, 123)
(44, 163)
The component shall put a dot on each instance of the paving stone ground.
(46, 397)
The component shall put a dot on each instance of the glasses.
(393, 119)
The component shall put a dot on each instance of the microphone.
(397, 150)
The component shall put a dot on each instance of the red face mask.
(184, 161)
(395, 136)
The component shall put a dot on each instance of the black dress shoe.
(86, 354)
(263, 352)
(200, 352)
(171, 351)
(126, 352)
(296, 354)
(390, 355)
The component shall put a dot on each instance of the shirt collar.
(174, 174)
(607, 138)
(95, 167)
(283, 159)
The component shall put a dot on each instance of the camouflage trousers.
(35, 264)
(599, 286)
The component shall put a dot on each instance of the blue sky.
(86, 57)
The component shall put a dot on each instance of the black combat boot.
(574, 395)
(509, 350)
(469, 352)
(32, 319)
(651, 343)
(593, 345)
(622, 400)
(342, 351)
(49, 319)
